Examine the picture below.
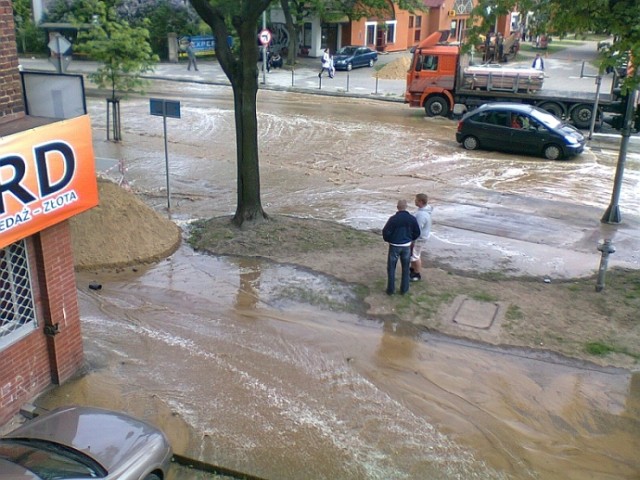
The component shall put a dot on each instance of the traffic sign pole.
(265, 39)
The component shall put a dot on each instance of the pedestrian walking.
(326, 63)
(399, 232)
(191, 55)
(538, 62)
(423, 217)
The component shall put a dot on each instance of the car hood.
(571, 131)
(108, 437)
(341, 57)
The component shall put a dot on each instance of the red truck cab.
(432, 75)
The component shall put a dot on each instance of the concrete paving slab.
(476, 314)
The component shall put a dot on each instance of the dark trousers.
(404, 254)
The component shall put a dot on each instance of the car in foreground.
(84, 442)
(352, 56)
(513, 127)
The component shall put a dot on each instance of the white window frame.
(393, 23)
(366, 32)
(16, 294)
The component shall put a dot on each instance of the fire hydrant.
(607, 249)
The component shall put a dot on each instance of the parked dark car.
(512, 127)
(353, 56)
(83, 442)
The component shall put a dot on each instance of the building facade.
(392, 30)
(47, 175)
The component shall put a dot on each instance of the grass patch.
(601, 349)
(553, 47)
(514, 313)
(483, 297)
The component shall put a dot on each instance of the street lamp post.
(612, 214)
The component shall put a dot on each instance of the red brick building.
(47, 175)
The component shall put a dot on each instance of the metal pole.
(607, 249)
(264, 50)
(59, 53)
(108, 126)
(595, 106)
(166, 156)
(612, 214)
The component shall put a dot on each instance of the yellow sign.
(47, 175)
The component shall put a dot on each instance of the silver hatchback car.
(83, 442)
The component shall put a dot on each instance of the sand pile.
(396, 70)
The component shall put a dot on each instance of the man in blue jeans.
(400, 230)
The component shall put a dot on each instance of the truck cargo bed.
(493, 77)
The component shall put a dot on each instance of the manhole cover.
(473, 313)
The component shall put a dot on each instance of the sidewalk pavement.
(360, 82)
(562, 68)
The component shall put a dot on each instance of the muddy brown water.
(274, 371)
(256, 367)
(350, 160)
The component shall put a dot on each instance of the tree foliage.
(123, 51)
(29, 37)
(161, 18)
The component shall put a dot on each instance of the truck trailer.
(441, 80)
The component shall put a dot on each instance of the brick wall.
(37, 361)
(60, 301)
(11, 103)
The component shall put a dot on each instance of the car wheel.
(552, 152)
(371, 62)
(349, 67)
(436, 107)
(470, 143)
(581, 115)
(152, 476)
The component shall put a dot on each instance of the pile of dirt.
(396, 70)
(121, 231)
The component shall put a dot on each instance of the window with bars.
(17, 312)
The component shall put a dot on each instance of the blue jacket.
(402, 228)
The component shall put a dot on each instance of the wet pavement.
(238, 374)
(243, 363)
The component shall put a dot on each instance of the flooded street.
(283, 389)
(276, 371)
(349, 160)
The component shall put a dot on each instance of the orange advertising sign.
(47, 175)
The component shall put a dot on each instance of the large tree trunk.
(293, 32)
(242, 72)
(245, 91)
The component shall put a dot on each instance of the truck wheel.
(553, 108)
(552, 152)
(436, 107)
(581, 115)
(470, 142)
